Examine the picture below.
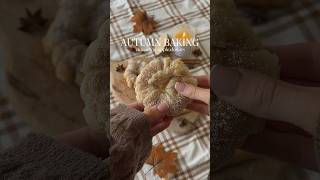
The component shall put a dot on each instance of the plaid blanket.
(297, 23)
(193, 149)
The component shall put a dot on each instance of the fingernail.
(225, 80)
(179, 86)
(163, 107)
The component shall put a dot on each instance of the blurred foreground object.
(265, 3)
(43, 76)
(234, 44)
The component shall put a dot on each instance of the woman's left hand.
(157, 116)
(86, 138)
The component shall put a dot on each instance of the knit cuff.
(41, 157)
(130, 142)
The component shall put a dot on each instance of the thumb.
(268, 98)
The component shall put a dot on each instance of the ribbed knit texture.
(317, 143)
(130, 142)
(40, 157)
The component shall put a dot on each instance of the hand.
(157, 116)
(200, 95)
(86, 138)
(294, 103)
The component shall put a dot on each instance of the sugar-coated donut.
(156, 84)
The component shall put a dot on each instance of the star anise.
(120, 68)
(183, 122)
(34, 22)
(197, 52)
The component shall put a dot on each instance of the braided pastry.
(155, 84)
(132, 71)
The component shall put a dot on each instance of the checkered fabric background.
(297, 23)
(193, 149)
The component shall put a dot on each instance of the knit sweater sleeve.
(41, 157)
(130, 142)
(317, 143)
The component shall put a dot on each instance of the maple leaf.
(143, 23)
(33, 22)
(163, 162)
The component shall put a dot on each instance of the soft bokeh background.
(1, 70)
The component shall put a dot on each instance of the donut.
(132, 71)
(156, 81)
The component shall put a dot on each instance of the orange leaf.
(143, 23)
(137, 28)
(163, 162)
(139, 16)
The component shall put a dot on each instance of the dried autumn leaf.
(143, 23)
(139, 16)
(164, 163)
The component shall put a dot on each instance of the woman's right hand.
(289, 104)
(199, 94)
(294, 99)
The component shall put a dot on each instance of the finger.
(203, 81)
(165, 118)
(157, 113)
(300, 61)
(137, 106)
(160, 127)
(193, 92)
(267, 98)
(199, 107)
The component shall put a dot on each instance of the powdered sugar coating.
(156, 81)
(132, 71)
